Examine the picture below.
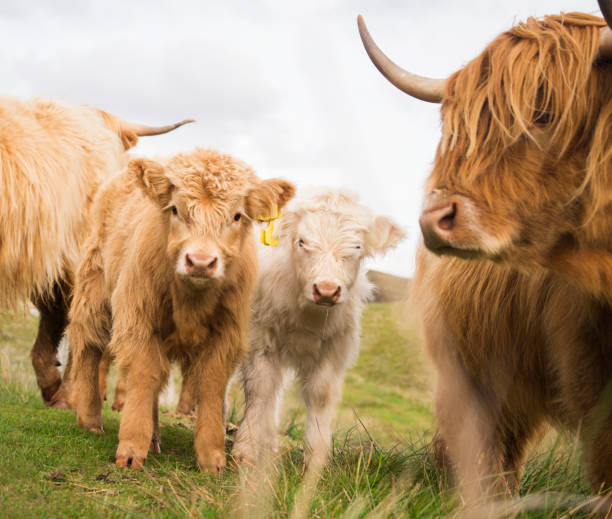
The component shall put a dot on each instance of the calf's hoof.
(183, 409)
(117, 404)
(315, 462)
(155, 447)
(213, 462)
(91, 424)
(243, 455)
(132, 462)
(60, 404)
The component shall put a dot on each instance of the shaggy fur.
(53, 156)
(513, 351)
(133, 292)
(525, 152)
(323, 238)
(525, 155)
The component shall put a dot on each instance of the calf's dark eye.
(174, 210)
(237, 217)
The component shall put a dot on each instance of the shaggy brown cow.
(53, 156)
(171, 263)
(521, 177)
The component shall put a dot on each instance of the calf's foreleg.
(321, 390)
(145, 369)
(262, 377)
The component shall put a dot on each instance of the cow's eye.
(174, 210)
(541, 118)
(358, 246)
(237, 217)
(301, 243)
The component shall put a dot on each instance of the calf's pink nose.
(200, 265)
(326, 293)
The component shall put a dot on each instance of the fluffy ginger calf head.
(209, 201)
(328, 236)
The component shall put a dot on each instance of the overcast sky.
(285, 86)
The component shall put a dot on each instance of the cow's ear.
(383, 234)
(151, 178)
(129, 138)
(268, 197)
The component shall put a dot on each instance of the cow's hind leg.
(119, 400)
(89, 335)
(103, 373)
(515, 430)
(155, 446)
(186, 403)
(53, 319)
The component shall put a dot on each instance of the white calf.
(306, 316)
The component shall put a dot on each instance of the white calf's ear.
(383, 234)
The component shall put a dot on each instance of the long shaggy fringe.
(540, 71)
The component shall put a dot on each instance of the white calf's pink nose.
(326, 293)
(201, 265)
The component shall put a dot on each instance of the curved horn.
(423, 88)
(606, 10)
(142, 130)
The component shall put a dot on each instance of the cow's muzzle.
(199, 265)
(449, 226)
(326, 293)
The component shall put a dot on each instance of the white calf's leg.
(322, 390)
(263, 376)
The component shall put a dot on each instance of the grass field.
(381, 465)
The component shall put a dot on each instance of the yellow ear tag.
(265, 236)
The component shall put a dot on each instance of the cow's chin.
(467, 254)
(309, 302)
(196, 283)
(325, 305)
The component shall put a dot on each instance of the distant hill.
(388, 287)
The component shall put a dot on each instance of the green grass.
(381, 464)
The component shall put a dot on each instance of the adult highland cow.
(53, 156)
(521, 177)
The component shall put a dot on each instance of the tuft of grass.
(381, 463)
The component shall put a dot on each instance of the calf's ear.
(150, 177)
(268, 197)
(383, 234)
